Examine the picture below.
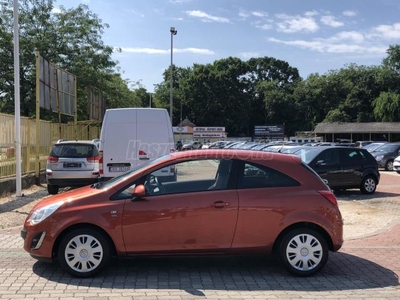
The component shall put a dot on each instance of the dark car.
(223, 202)
(343, 167)
(386, 154)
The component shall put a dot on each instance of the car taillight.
(52, 159)
(141, 152)
(93, 159)
(329, 196)
(101, 162)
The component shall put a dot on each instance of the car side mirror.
(139, 192)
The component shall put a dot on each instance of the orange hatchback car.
(223, 202)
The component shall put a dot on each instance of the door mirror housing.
(139, 191)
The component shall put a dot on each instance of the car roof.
(74, 142)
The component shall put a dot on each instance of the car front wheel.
(303, 252)
(83, 252)
(389, 165)
(368, 185)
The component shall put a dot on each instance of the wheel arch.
(56, 244)
(308, 225)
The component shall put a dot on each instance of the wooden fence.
(35, 149)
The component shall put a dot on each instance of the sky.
(314, 36)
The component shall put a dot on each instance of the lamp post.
(173, 32)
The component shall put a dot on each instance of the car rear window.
(74, 150)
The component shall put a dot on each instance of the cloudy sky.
(314, 36)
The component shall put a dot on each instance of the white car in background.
(396, 164)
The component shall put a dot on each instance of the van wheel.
(303, 252)
(52, 189)
(83, 252)
(368, 185)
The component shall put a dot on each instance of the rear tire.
(84, 252)
(303, 252)
(368, 185)
(52, 189)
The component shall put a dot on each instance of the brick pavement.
(367, 268)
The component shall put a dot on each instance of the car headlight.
(379, 157)
(42, 213)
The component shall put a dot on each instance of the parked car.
(191, 146)
(386, 154)
(223, 202)
(343, 167)
(72, 164)
(373, 146)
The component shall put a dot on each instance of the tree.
(71, 39)
(387, 107)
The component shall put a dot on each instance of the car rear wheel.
(368, 185)
(303, 252)
(84, 252)
(52, 189)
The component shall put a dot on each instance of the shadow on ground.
(342, 272)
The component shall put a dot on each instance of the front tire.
(389, 165)
(84, 252)
(303, 252)
(368, 185)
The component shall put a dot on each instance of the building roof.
(366, 127)
(186, 122)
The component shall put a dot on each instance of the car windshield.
(122, 177)
(74, 150)
(386, 148)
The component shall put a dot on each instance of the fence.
(36, 149)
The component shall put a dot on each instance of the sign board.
(208, 129)
(208, 135)
(180, 129)
(269, 130)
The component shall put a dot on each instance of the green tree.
(70, 39)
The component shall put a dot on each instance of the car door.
(327, 165)
(186, 215)
(353, 165)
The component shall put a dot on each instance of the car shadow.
(342, 272)
(18, 202)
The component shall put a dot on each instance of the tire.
(389, 165)
(368, 185)
(52, 189)
(84, 252)
(303, 252)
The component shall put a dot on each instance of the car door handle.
(220, 204)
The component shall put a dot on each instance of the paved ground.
(366, 268)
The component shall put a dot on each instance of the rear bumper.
(75, 182)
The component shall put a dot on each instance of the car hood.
(69, 196)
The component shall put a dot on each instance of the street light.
(173, 32)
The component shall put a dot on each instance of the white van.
(132, 136)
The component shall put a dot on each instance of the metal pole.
(173, 32)
(17, 102)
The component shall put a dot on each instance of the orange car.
(222, 202)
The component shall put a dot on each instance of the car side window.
(191, 176)
(328, 157)
(351, 156)
(256, 176)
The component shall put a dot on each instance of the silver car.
(72, 164)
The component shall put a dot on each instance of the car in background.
(396, 164)
(386, 154)
(343, 167)
(191, 146)
(223, 202)
(72, 164)
(219, 144)
(373, 146)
